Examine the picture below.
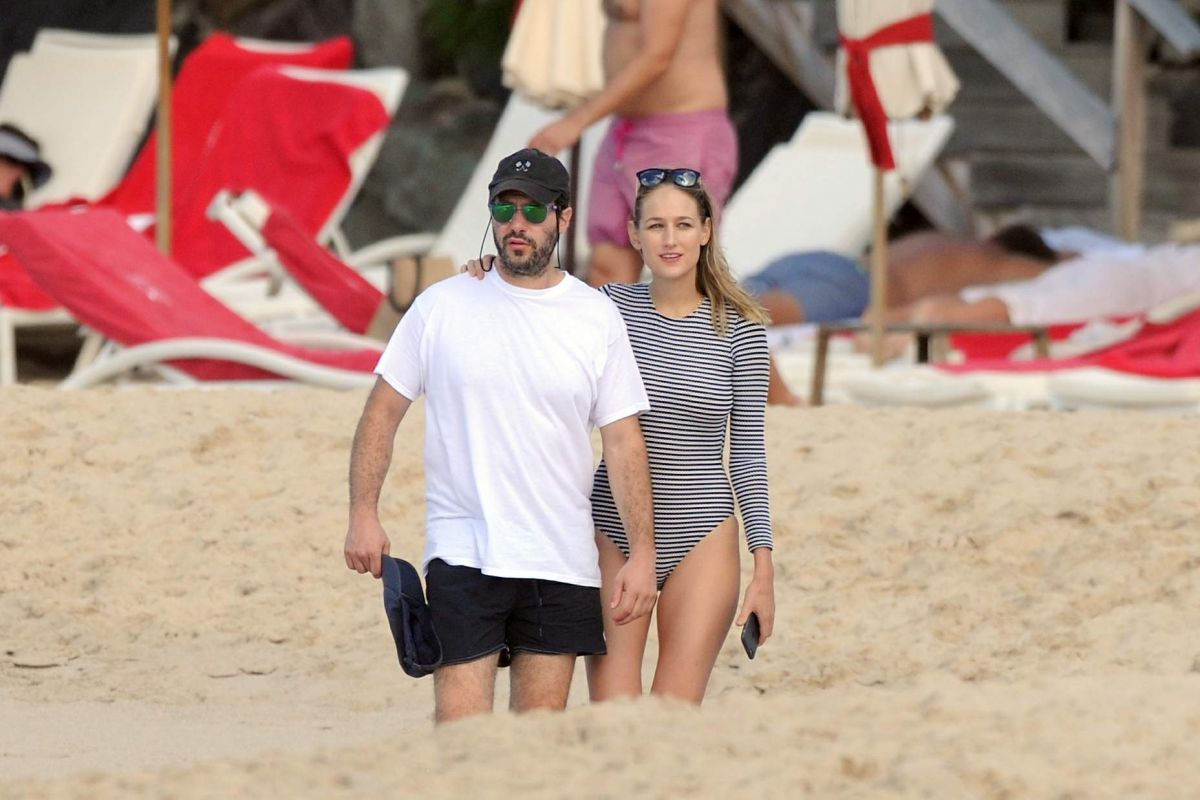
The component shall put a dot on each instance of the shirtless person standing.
(665, 84)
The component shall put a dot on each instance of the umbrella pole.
(573, 231)
(878, 273)
(163, 171)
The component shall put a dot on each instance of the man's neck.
(547, 278)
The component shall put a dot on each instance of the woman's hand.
(760, 595)
(477, 267)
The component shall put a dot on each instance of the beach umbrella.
(888, 68)
(554, 58)
(163, 176)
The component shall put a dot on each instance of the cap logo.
(523, 166)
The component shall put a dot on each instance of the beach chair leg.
(923, 347)
(818, 378)
(8, 350)
(1041, 343)
(88, 351)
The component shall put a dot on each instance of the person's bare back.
(921, 265)
(665, 88)
(693, 80)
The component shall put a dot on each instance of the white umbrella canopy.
(554, 58)
(554, 55)
(910, 79)
(888, 68)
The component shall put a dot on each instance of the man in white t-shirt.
(516, 370)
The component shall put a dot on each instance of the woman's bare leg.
(778, 392)
(695, 611)
(618, 674)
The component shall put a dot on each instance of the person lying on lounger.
(1010, 279)
(821, 286)
(21, 167)
(1101, 284)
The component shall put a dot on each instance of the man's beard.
(533, 264)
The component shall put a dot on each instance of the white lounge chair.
(88, 109)
(153, 314)
(814, 191)
(250, 298)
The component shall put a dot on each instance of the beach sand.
(970, 604)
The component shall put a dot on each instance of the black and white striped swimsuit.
(698, 383)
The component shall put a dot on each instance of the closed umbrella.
(888, 68)
(163, 191)
(553, 55)
(554, 58)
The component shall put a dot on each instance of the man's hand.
(366, 544)
(636, 589)
(556, 137)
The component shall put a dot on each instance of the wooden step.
(1055, 179)
(987, 125)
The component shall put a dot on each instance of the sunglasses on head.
(533, 212)
(657, 175)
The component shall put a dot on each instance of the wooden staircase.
(1019, 165)
(1045, 153)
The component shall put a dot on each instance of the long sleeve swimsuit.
(700, 384)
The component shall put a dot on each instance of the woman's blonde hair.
(713, 277)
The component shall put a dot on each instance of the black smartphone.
(750, 634)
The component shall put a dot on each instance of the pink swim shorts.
(702, 140)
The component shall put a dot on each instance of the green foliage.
(465, 31)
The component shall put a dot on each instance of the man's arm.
(660, 28)
(370, 457)
(629, 476)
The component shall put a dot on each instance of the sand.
(970, 603)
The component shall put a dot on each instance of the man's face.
(525, 247)
(11, 173)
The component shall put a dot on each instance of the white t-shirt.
(1104, 283)
(1087, 241)
(514, 381)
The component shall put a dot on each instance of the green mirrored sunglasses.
(533, 212)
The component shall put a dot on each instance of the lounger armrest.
(1172, 310)
(249, 267)
(329, 340)
(155, 353)
(412, 244)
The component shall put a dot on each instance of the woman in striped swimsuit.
(701, 346)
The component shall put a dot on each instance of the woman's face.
(671, 233)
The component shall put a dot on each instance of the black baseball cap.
(417, 644)
(535, 174)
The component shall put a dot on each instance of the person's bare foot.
(894, 344)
